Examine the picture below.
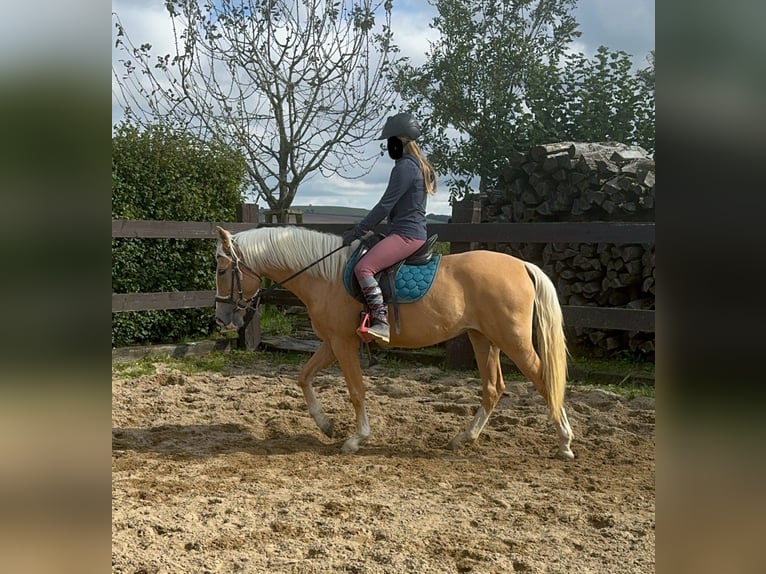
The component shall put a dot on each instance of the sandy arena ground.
(228, 473)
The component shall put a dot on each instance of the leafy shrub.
(161, 173)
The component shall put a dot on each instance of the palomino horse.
(503, 303)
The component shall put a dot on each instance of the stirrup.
(363, 328)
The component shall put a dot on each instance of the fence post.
(459, 352)
(249, 336)
(283, 216)
(248, 213)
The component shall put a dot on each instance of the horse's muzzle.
(228, 317)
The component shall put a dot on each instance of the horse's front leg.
(322, 358)
(347, 353)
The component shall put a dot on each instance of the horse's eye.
(222, 271)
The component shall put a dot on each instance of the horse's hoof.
(328, 429)
(566, 454)
(350, 446)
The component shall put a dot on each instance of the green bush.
(159, 173)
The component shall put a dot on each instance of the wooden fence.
(459, 235)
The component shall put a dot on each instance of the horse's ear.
(225, 238)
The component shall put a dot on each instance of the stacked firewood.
(585, 182)
(576, 182)
(605, 275)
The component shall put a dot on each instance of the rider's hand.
(350, 235)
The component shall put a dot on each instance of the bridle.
(236, 280)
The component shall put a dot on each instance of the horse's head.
(237, 285)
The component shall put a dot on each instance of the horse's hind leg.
(565, 437)
(488, 361)
(323, 357)
(528, 362)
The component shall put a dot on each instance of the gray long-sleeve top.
(404, 202)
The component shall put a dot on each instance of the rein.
(255, 300)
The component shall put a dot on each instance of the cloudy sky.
(626, 25)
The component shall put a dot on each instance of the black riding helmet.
(402, 124)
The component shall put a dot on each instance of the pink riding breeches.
(389, 250)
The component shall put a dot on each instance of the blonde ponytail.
(429, 175)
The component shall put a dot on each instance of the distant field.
(350, 215)
(333, 210)
(331, 214)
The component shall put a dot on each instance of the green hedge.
(159, 173)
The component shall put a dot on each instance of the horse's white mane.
(292, 249)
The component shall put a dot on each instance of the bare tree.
(299, 86)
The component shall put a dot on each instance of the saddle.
(406, 281)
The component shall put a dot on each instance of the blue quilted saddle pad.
(412, 281)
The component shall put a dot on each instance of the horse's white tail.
(550, 340)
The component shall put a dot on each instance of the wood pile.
(585, 182)
(605, 275)
(576, 182)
